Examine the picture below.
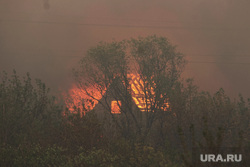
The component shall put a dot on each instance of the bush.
(27, 110)
(33, 155)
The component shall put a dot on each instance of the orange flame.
(139, 93)
(79, 100)
(116, 107)
(144, 97)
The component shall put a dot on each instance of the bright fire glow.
(116, 107)
(139, 94)
(80, 101)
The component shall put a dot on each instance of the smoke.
(46, 4)
(48, 37)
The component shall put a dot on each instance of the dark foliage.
(37, 131)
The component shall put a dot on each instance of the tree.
(141, 71)
(210, 123)
(27, 111)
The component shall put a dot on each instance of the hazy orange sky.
(48, 38)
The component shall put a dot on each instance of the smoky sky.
(48, 37)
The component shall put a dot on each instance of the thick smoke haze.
(48, 37)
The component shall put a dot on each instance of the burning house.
(118, 98)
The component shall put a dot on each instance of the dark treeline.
(37, 130)
(34, 131)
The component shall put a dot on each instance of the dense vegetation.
(36, 130)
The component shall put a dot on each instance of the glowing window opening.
(116, 107)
